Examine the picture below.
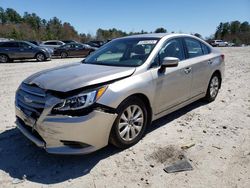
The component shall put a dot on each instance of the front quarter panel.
(122, 89)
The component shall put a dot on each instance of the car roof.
(158, 35)
(149, 35)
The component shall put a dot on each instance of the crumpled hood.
(77, 75)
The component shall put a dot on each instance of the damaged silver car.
(116, 92)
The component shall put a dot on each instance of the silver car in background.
(116, 92)
(52, 44)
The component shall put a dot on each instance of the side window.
(5, 44)
(205, 49)
(50, 43)
(23, 45)
(193, 47)
(172, 48)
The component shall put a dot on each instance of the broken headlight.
(80, 101)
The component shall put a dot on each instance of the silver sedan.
(116, 92)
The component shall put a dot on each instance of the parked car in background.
(69, 41)
(96, 44)
(219, 43)
(12, 50)
(52, 44)
(73, 49)
(116, 92)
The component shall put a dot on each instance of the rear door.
(11, 49)
(199, 58)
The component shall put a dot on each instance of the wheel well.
(63, 52)
(145, 99)
(217, 72)
(40, 53)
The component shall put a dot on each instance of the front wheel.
(64, 55)
(213, 88)
(130, 124)
(40, 57)
(3, 58)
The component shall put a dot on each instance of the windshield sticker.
(147, 42)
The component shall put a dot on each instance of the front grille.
(31, 100)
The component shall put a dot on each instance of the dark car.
(12, 50)
(69, 41)
(97, 43)
(73, 49)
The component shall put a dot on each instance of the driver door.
(25, 50)
(172, 85)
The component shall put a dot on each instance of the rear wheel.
(4, 58)
(64, 55)
(130, 124)
(40, 57)
(213, 88)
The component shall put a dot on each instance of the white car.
(52, 44)
(219, 43)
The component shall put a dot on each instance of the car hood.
(77, 75)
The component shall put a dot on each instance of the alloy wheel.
(40, 57)
(3, 59)
(214, 86)
(131, 122)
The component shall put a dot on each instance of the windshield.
(31, 44)
(129, 52)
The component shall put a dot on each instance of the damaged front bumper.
(63, 134)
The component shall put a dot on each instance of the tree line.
(31, 27)
(235, 31)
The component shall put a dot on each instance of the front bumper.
(56, 133)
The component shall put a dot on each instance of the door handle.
(209, 61)
(188, 70)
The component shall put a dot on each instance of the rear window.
(9, 44)
(194, 48)
(205, 49)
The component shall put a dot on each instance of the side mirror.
(170, 62)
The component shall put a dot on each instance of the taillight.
(223, 57)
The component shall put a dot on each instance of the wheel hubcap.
(214, 86)
(3, 59)
(40, 57)
(131, 122)
(64, 55)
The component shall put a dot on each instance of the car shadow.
(25, 61)
(176, 114)
(19, 157)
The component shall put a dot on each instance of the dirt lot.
(219, 130)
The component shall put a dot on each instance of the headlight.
(81, 100)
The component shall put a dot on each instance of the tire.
(40, 57)
(4, 58)
(213, 88)
(128, 130)
(63, 55)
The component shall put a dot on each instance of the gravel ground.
(219, 130)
